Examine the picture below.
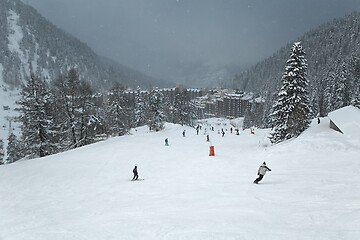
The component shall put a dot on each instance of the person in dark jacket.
(136, 175)
(261, 172)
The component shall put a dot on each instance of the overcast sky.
(157, 36)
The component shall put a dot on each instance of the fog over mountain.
(190, 39)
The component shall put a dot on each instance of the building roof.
(347, 119)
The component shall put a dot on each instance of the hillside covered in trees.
(29, 43)
(333, 58)
(68, 114)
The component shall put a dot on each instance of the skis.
(139, 179)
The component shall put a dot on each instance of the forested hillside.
(332, 53)
(31, 44)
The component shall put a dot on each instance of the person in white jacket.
(261, 172)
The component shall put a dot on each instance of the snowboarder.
(136, 175)
(166, 142)
(261, 172)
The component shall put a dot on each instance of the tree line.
(68, 113)
(333, 58)
(293, 110)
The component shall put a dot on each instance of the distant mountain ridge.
(30, 43)
(326, 47)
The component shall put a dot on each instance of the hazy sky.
(158, 36)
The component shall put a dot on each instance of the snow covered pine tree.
(140, 110)
(34, 115)
(156, 117)
(2, 154)
(291, 112)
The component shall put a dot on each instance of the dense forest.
(68, 113)
(333, 59)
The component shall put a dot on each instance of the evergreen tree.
(329, 93)
(35, 108)
(291, 112)
(356, 101)
(140, 108)
(13, 149)
(355, 85)
(73, 101)
(341, 97)
(253, 115)
(266, 118)
(2, 153)
(118, 120)
(89, 120)
(66, 116)
(181, 110)
(72, 106)
(168, 110)
(156, 115)
(60, 113)
(318, 98)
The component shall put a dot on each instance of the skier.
(166, 142)
(184, 133)
(207, 138)
(261, 172)
(136, 175)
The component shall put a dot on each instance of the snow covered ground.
(312, 192)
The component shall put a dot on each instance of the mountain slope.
(327, 47)
(29, 43)
(312, 191)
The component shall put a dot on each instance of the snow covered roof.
(248, 96)
(347, 119)
(233, 95)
